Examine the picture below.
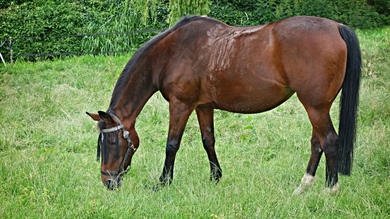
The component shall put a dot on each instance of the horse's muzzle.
(113, 183)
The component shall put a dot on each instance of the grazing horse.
(203, 64)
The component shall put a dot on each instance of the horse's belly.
(246, 99)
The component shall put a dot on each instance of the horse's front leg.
(178, 117)
(206, 124)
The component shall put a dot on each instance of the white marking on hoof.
(333, 191)
(306, 182)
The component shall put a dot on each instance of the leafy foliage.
(356, 14)
(42, 31)
(380, 6)
(180, 8)
(124, 17)
(56, 26)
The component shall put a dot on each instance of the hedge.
(38, 26)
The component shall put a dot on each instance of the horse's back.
(254, 69)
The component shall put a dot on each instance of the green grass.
(47, 150)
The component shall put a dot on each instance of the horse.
(202, 64)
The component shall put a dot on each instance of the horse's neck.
(142, 82)
(134, 95)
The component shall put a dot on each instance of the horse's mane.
(141, 53)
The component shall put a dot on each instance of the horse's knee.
(172, 147)
(331, 144)
(208, 143)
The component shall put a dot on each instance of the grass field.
(48, 150)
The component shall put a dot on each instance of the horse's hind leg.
(206, 124)
(316, 153)
(324, 140)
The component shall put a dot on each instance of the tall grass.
(109, 36)
(124, 17)
(47, 150)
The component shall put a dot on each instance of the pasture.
(48, 165)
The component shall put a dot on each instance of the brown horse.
(203, 64)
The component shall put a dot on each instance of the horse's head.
(115, 146)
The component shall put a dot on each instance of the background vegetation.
(55, 27)
(47, 150)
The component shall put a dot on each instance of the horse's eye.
(112, 139)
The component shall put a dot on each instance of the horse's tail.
(349, 100)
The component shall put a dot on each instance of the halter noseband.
(130, 145)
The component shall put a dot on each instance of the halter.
(103, 145)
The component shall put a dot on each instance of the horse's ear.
(94, 116)
(105, 117)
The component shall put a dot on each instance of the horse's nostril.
(113, 183)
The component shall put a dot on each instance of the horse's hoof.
(306, 182)
(333, 191)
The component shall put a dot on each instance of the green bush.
(356, 14)
(123, 17)
(55, 27)
(380, 6)
(7, 3)
(39, 26)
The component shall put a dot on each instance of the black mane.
(141, 52)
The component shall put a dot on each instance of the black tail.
(349, 100)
